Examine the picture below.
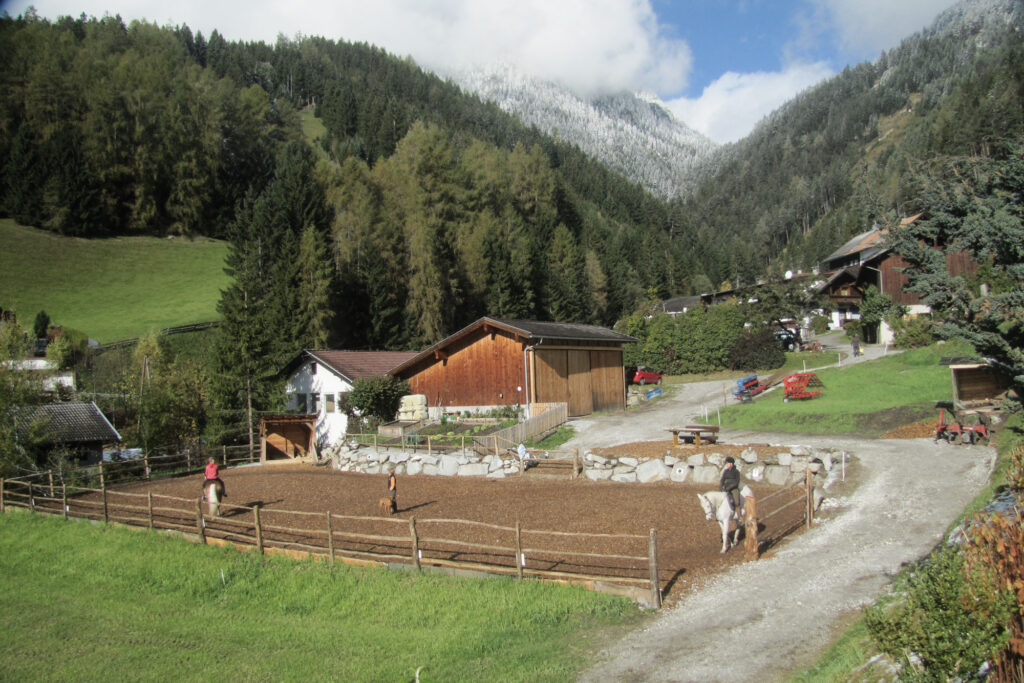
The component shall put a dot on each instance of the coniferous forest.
(428, 207)
(422, 208)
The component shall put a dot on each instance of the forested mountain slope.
(859, 146)
(633, 134)
(431, 207)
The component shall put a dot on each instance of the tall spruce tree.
(974, 209)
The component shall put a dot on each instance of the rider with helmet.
(730, 483)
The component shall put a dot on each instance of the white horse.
(213, 491)
(716, 507)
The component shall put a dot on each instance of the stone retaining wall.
(775, 469)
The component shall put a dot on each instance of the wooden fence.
(553, 415)
(801, 492)
(629, 567)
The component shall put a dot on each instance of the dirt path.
(761, 620)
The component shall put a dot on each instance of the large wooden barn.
(493, 363)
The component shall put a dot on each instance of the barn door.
(552, 375)
(581, 391)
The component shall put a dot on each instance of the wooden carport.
(287, 436)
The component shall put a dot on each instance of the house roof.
(70, 423)
(527, 331)
(867, 243)
(353, 365)
(680, 304)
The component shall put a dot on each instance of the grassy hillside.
(110, 289)
(867, 399)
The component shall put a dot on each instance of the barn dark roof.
(531, 331)
(70, 423)
(353, 365)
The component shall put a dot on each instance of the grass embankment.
(866, 399)
(85, 602)
(110, 289)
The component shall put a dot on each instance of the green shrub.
(378, 396)
(756, 350)
(912, 333)
(819, 324)
(938, 624)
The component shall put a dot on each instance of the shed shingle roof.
(73, 422)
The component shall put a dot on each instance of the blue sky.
(719, 65)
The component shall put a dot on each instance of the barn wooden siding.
(894, 282)
(587, 379)
(977, 383)
(486, 367)
(480, 369)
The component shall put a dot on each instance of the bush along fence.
(623, 564)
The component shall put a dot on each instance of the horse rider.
(730, 483)
(212, 473)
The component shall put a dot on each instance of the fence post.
(809, 497)
(49, 474)
(188, 459)
(64, 499)
(106, 514)
(145, 464)
(519, 551)
(652, 563)
(149, 497)
(200, 528)
(415, 543)
(3, 507)
(31, 498)
(103, 484)
(259, 529)
(495, 439)
(330, 537)
(750, 545)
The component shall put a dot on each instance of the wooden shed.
(286, 436)
(494, 363)
(976, 383)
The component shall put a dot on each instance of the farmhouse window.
(330, 403)
(312, 368)
(316, 403)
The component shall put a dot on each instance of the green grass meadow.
(866, 399)
(110, 289)
(81, 601)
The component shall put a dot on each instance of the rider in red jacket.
(212, 473)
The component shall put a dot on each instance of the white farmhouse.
(318, 381)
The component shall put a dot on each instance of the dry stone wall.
(705, 467)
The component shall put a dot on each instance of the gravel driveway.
(761, 620)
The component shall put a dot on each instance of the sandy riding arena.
(688, 545)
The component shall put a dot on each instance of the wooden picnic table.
(708, 433)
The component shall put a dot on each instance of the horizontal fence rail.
(595, 558)
(611, 559)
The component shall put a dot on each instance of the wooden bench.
(695, 433)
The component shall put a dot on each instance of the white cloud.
(731, 106)
(867, 27)
(589, 45)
